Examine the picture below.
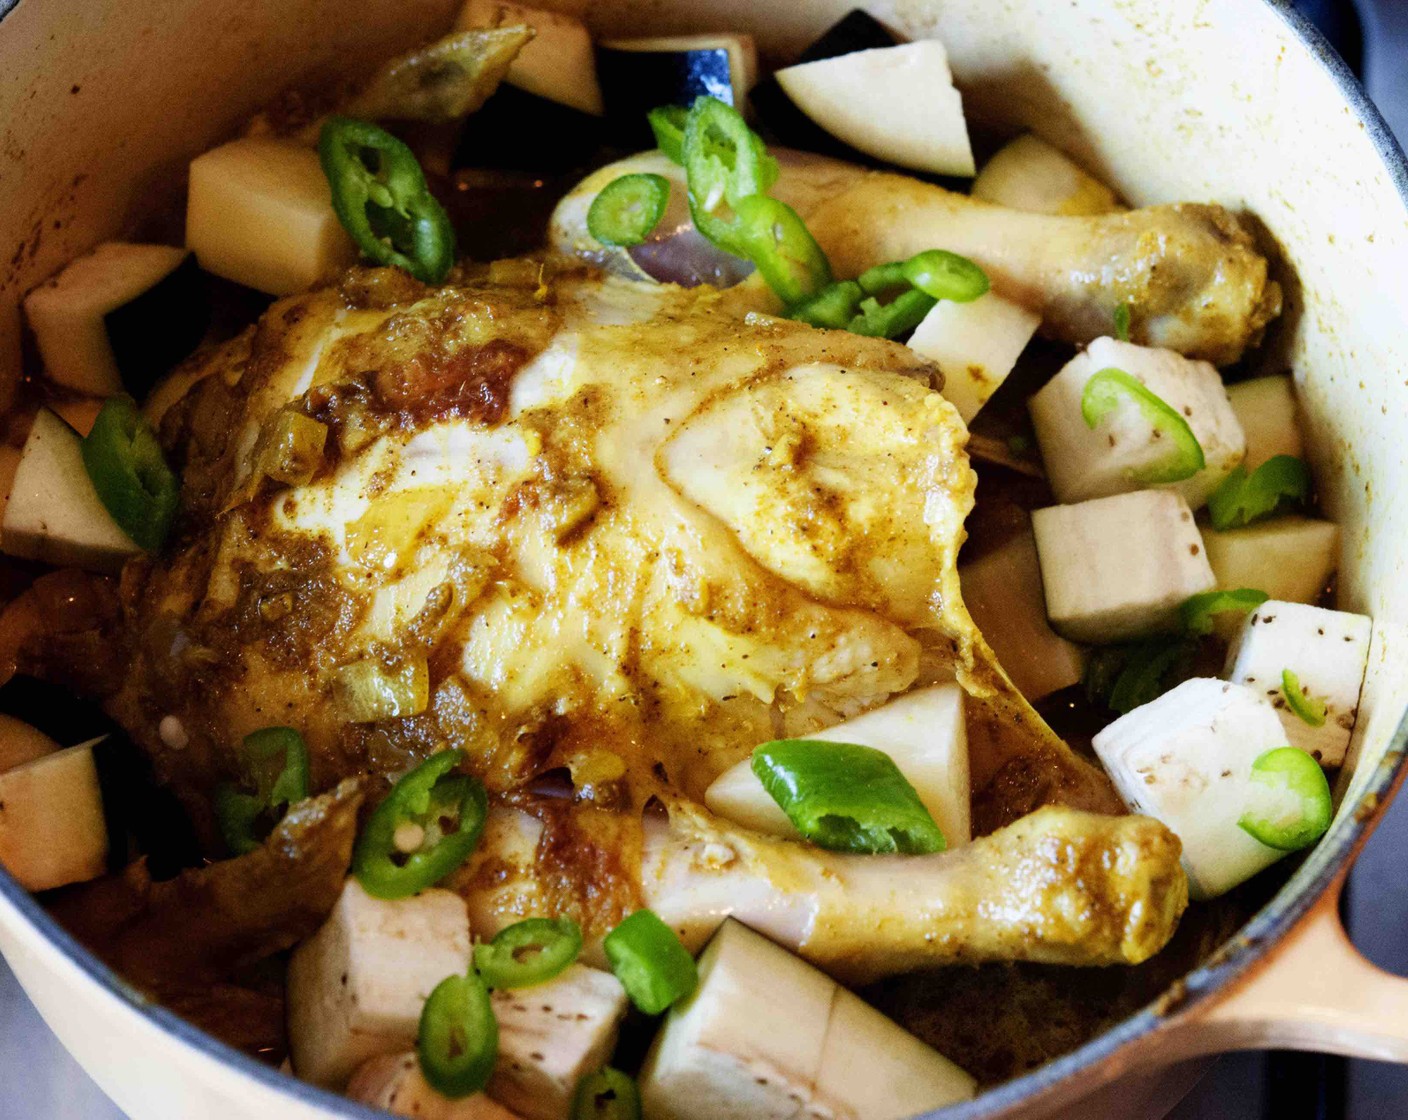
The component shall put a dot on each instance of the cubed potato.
(1266, 409)
(356, 987)
(1084, 463)
(52, 830)
(975, 345)
(551, 1036)
(1119, 568)
(395, 1083)
(1328, 651)
(559, 63)
(1030, 174)
(259, 212)
(1186, 759)
(1002, 590)
(1290, 558)
(923, 732)
(21, 743)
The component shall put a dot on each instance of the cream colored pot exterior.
(102, 103)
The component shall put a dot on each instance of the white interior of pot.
(1168, 101)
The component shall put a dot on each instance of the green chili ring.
(653, 966)
(1298, 805)
(459, 1037)
(123, 458)
(529, 952)
(1104, 392)
(626, 210)
(275, 764)
(607, 1094)
(944, 275)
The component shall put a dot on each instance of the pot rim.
(1330, 859)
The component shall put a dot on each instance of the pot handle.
(1315, 991)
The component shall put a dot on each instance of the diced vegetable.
(559, 64)
(124, 460)
(607, 1094)
(275, 765)
(1325, 651)
(1243, 499)
(425, 828)
(1127, 677)
(54, 513)
(923, 732)
(1187, 759)
(52, 830)
(442, 81)
(528, 953)
(637, 75)
(293, 448)
(369, 690)
(21, 743)
(896, 103)
(846, 797)
(119, 317)
(9, 466)
(380, 195)
(356, 988)
(1291, 805)
(553, 1036)
(259, 212)
(458, 1039)
(767, 1035)
(628, 209)
(975, 345)
(1030, 174)
(1002, 591)
(647, 957)
(1266, 409)
(1118, 568)
(1290, 558)
(725, 162)
(944, 276)
(1200, 614)
(1128, 444)
(394, 1082)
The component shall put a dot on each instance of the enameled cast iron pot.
(1234, 101)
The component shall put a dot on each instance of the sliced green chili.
(1291, 806)
(124, 461)
(725, 162)
(426, 827)
(1243, 499)
(890, 320)
(778, 242)
(275, 767)
(882, 278)
(653, 966)
(1306, 708)
(1129, 676)
(667, 122)
(459, 1036)
(1108, 388)
(1122, 317)
(627, 209)
(945, 275)
(833, 307)
(381, 198)
(1198, 611)
(846, 797)
(607, 1094)
(529, 952)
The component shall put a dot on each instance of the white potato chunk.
(21, 743)
(357, 986)
(558, 64)
(1029, 174)
(1083, 462)
(1118, 568)
(259, 212)
(1002, 591)
(68, 312)
(1186, 759)
(976, 345)
(551, 1036)
(1328, 651)
(923, 732)
(1266, 409)
(52, 831)
(1290, 558)
(896, 103)
(54, 514)
(395, 1083)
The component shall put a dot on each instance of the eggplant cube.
(357, 986)
(395, 1083)
(1119, 568)
(1289, 558)
(1029, 174)
(54, 514)
(638, 75)
(119, 317)
(1186, 759)
(976, 345)
(1002, 590)
(1328, 651)
(1084, 463)
(1266, 409)
(551, 1036)
(52, 830)
(923, 732)
(558, 64)
(259, 212)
